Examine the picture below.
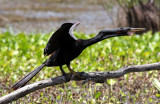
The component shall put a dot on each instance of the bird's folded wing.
(58, 39)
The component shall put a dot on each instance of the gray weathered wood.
(98, 77)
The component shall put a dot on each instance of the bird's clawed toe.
(76, 74)
(67, 77)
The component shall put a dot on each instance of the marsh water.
(44, 16)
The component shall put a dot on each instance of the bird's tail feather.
(27, 78)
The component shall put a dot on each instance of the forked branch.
(98, 77)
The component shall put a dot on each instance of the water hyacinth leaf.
(111, 81)
(97, 94)
(158, 95)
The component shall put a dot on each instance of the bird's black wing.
(58, 39)
(62, 37)
(53, 44)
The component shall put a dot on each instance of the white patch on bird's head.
(72, 29)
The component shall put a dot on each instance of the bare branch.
(98, 77)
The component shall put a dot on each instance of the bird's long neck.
(93, 40)
(101, 36)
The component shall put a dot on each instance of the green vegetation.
(21, 53)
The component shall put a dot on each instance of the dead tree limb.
(98, 77)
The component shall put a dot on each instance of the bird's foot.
(76, 74)
(67, 77)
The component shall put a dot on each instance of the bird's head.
(124, 31)
(70, 27)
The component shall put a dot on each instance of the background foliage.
(134, 13)
(21, 53)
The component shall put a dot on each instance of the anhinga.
(63, 47)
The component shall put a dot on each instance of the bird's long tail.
(27, 78)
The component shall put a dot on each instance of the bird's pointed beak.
(137, 29)
(133, 30)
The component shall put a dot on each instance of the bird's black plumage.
(63, 47)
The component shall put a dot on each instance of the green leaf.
(97, 94)
(158, 95)
(150, 100)
(58, 97)
(111, 81)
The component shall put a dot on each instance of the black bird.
(63, 47)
